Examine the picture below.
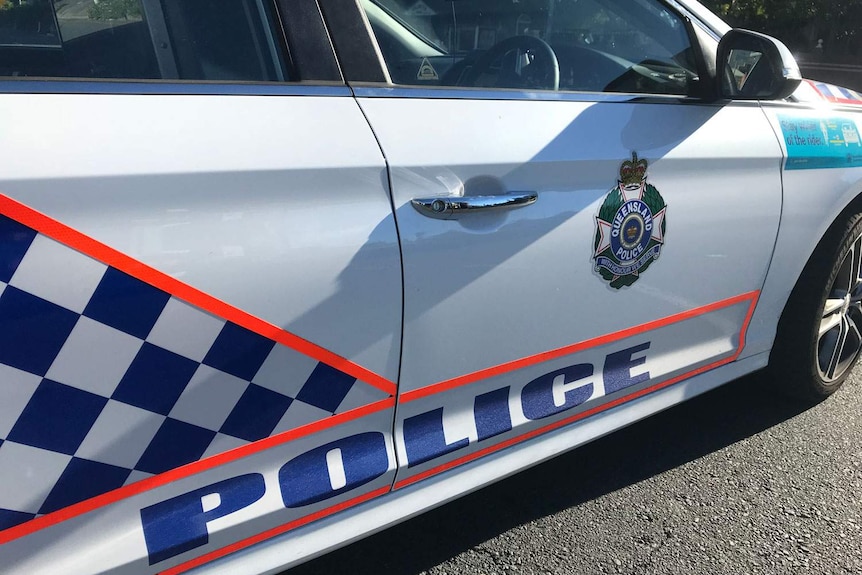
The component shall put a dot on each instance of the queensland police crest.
(630, 227)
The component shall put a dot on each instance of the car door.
(580, 225)
(200, 301)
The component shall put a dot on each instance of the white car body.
(390, 362)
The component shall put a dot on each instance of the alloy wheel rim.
(839, 338)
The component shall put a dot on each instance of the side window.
(222, 40)
(581, 45)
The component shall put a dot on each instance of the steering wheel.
(545, 76)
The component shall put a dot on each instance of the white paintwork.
(277, 205)
(110, 539)
(675, 351)
(280, 207)
(225, 193)
(328, 534)
(521, 282)
(813, 200)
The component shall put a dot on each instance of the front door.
(578, 229)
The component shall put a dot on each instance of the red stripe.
(824, 90)
(838, 100)
(219, 553)
(570, 349)
(187, 470)
(107, 255)
(239, 545)
(590, 412)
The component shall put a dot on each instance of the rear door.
(578, 228)
(200, 307)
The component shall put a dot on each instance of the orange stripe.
(107, 255)
(239, 545)
(187, 470)
(318, 426)
(203, 559)
(574, 348)
(590, 412)
(837, 100)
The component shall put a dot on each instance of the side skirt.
(279, 553)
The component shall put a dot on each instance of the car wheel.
(820, 332)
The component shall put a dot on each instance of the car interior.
(577, 45)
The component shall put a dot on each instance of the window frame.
(366, 69)
(303, 45)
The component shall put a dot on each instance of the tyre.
(820, 332)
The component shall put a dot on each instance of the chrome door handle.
(447, 208)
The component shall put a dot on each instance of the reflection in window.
(596, 45)
(742, 62)
(28, 23)
(139, 39)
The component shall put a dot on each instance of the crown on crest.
(633, 171)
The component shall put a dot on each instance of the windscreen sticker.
(821, 143)
(421, 9)
(427, 71)
(630, 227)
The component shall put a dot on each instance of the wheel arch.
(812, 218)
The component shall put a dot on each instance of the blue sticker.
(818, 143)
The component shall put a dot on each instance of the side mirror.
(754, 66)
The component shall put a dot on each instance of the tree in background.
(115, 10)
(800, 23)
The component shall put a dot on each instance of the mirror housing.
(754, 66)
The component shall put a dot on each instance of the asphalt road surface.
(736, 481)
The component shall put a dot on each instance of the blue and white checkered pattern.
(832, 92)
(106, 380)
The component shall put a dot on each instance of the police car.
(278, 274)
